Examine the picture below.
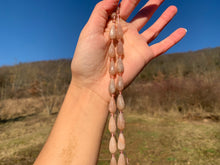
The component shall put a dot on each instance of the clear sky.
(34, 30)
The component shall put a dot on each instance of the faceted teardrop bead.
(120, 66)
(112, 145)
(111, 50)
(112, 86)
(112, 105)
(112, 33)
(112, 70)
(121, 121)
(119, 32)
(112, 124)
(120, 102)
(120, 83)
(113, 161)
(121, 159)
(121, 142)
(120, 49)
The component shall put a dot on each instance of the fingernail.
(185, 29)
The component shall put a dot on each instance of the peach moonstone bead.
(112, 69)
(111, 50)
(121, 159)
(113, 161)
(121, 142)
(121, 121)
(112, 105)
(112, 33)
(112, 88)
(112, 145)
(120, 66)
(112, 125)
(119, 32)
(120, 102)
(120, 83)
(120, 49)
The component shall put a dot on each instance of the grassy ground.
(165, 139)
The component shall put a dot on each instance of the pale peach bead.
(120, 66)
(120, 102)
(113, 15)
(112, 33)
(112, 70)
(112, 105)
(120, 83)
(119, 32)
(112, 124)
(112, 86)
(121, 159)
(121, 121)
(112, 145)
(113, 161)
(120, 49)
(121, 142)
(111, 50)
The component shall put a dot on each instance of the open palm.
(90, 62)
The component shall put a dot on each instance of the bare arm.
(76, 136)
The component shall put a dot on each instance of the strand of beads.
(112, 89)
(120, 87)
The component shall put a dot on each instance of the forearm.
(76, 136)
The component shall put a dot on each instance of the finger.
(146, 13)
(168, 42)
(126, 8)
(99, 16)
(152, 32)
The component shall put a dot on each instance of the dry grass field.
(165, 138)
(172, 110)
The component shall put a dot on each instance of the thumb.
(99, 17)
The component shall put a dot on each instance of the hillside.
(172, 110)
(179, 81)
(18, 80)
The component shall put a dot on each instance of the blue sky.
(35, 30)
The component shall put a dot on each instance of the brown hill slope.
(180, 81)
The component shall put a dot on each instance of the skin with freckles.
(76, 135)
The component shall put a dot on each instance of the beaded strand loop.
(120, 87)
(116, 69)
(112, 90)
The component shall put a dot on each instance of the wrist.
(96, 87)
(86, 94)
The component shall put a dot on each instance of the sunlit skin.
(76, 135)
(90, 62)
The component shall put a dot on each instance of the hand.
(90, 63)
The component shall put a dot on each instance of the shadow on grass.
(18, 118)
